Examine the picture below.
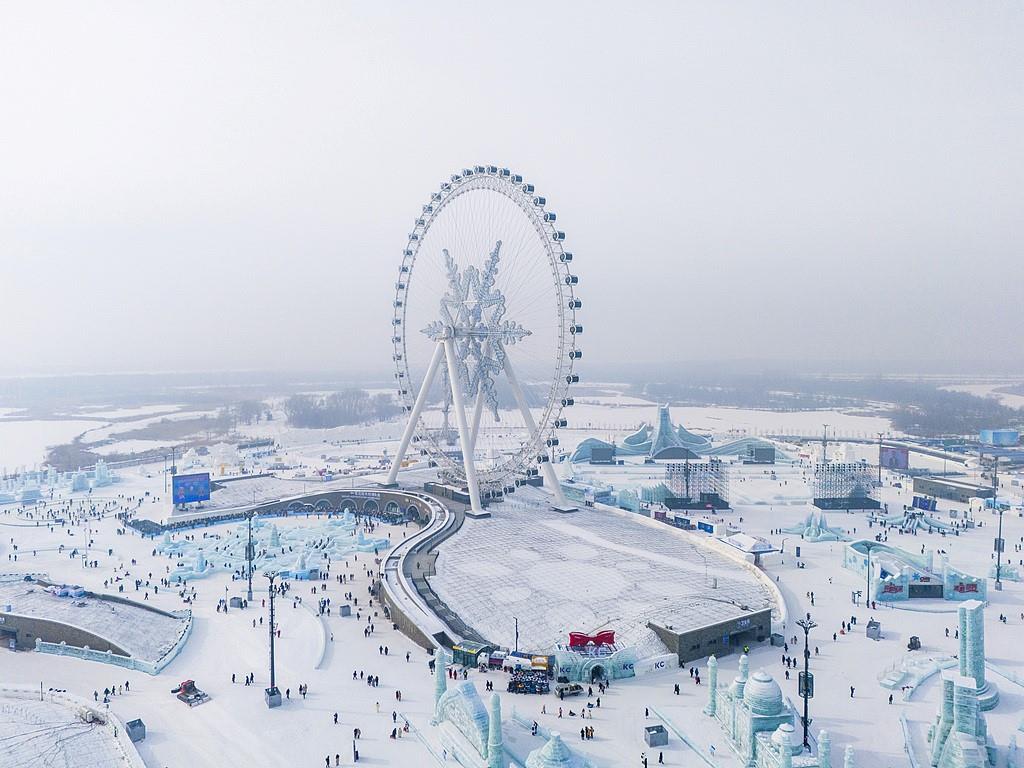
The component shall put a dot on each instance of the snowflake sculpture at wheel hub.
(515, 312)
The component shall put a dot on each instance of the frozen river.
(25, 443)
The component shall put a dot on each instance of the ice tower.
(971, 614)
(495, 750)
(959, 736)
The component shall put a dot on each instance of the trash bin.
(136, 730)
(874, 630)
(273, 697)
(655, 736)
(345, 610)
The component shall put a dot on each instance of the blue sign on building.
(1000, 437)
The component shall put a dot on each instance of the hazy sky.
(212, 185)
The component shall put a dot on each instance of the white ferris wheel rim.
(534, 449)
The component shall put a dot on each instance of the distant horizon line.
(754, 366)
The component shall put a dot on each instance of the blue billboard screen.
(186, 488)
(893, 457)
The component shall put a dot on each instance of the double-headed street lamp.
(806, 684)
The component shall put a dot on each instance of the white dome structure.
(762, 694)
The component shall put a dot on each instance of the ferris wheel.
(485, 334)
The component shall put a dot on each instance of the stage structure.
(844, 485)
(698, 484)
(485, 334)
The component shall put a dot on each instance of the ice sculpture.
(440, 682)
(959, 735)
(712, 686)
(556, 754)
(815, 527)
(759, 726)
(495, 750)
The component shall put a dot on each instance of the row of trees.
(917, 407)
(350, 406)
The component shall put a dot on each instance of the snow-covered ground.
(107, 412)
(142, 634)
(989, 390)
(25, 443)
(111, 431)
(43, 733)
(236, 728)
(587, 571)
(133, 446)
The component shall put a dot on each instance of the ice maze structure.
(294, 552)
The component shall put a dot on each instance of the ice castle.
(757, 723)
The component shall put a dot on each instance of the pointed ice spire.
(744, 667)
(440, 678)
(848, 757)
(712, 686)
(824, 749)
(495, 750)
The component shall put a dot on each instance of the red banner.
(606, 637)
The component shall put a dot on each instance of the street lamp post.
(249, 555)
(806, 678)
(273, 696)
(880, 458)
(999, 536)
(517, 633)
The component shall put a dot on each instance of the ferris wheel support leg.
(460, 418)
(478, 407)
(414, 415)
(549, 471)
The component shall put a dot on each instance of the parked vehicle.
(568, 689)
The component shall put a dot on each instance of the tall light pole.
(249, 554)
(806, 687)
(517, 633)
(273, 696)
(824, 445)
(999, 536)
(880, 458)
